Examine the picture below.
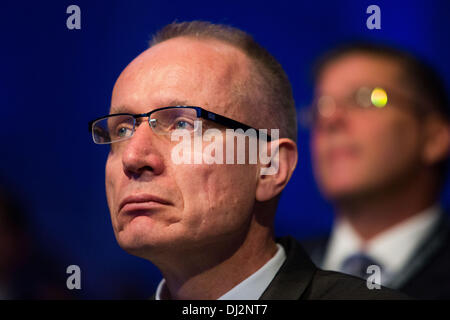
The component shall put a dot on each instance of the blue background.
(53, 80)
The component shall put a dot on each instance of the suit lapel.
(294, 276)
(430, 246)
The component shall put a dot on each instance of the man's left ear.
(284, 159)
(437, 140)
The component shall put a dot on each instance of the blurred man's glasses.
(325, 106)
(363, 98)
(163, 121)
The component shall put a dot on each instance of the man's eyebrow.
(170, 103)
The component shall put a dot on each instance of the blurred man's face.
(357, 151)
(194, 204)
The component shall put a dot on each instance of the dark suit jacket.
(427, 273)
(298, 278)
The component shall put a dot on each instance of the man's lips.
(141, 202)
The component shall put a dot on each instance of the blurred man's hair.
(424, 82)
(270, 86)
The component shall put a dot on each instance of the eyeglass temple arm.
(229, 122)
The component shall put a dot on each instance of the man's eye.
(183, 124)
(123, 131)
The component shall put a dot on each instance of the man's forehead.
(355, 70)
(190, 46)
(190, 54)
(125, 108)
(180, 70)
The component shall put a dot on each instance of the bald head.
(266, 91)
(174, 70)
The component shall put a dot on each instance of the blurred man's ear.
(437, 139)
(271, 185)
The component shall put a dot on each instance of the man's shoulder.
(316, 246)
(429, 277)
(330, 285)
(299, 278)
(313, 242)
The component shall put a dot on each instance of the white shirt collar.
(392, 248)
(254, 286)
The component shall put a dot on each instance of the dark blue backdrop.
(53, 80)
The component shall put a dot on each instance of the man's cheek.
(203, 186)
(233, 184)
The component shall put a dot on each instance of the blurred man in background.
(380, 142)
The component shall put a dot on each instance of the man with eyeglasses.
(380, 142)
(208, 227)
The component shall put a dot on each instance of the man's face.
(198, 204)
(359, 151)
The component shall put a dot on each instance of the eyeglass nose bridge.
(328, 108)
(151, 121)
(325, 108)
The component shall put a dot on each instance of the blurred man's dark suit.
(426, 275)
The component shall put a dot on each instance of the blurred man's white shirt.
(392, 248)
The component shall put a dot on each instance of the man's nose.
(142, 155)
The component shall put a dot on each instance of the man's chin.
(137, 241)
(142, 242)
(346, 191)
